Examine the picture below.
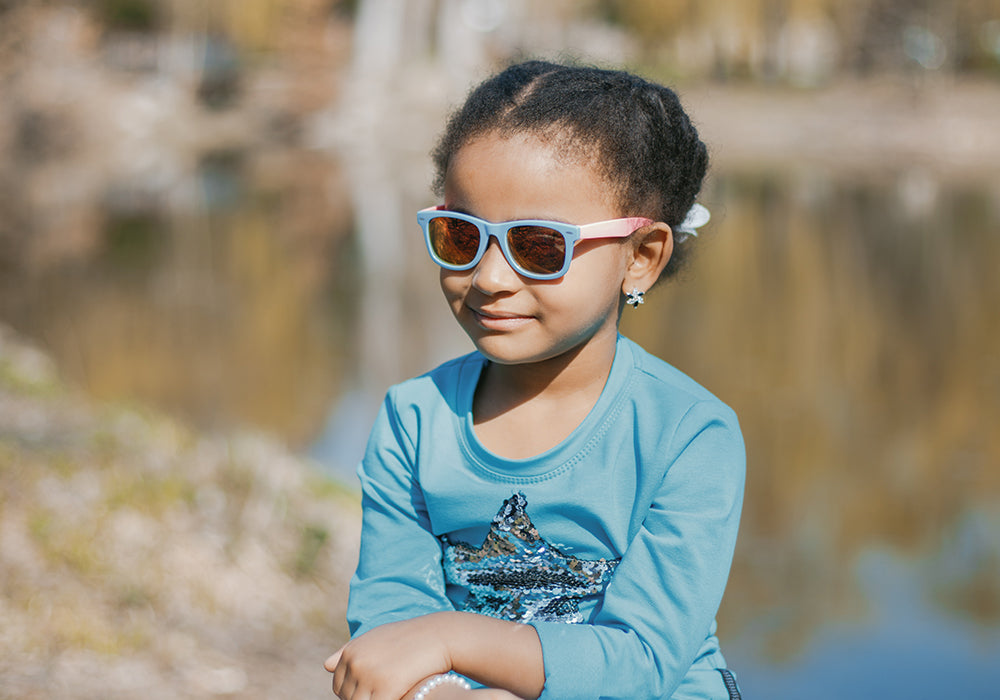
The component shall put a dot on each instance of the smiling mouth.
(499, 321)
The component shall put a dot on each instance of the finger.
(341, 686)
(331, 663)
(345, 689)
(338, 679)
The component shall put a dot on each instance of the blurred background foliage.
(769, 40)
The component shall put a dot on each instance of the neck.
(578, 375)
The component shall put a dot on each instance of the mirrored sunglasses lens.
(454, 241)
(537, 249)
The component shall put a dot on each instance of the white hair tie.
(697, 217)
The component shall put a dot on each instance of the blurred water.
(849, 319)
(906, 646)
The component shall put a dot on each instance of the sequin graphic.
(517, 575)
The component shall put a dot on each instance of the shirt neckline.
(558, 457)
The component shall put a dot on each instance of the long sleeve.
(648, 489)
(659, 606)
(399, 572)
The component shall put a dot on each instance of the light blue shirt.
(626, 528)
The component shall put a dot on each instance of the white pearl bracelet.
(441, 679)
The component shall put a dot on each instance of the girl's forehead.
(503, 177)
(558, 143)
(553, 148)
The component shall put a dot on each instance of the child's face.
(510, 318)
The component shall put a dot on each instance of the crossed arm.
(655, 617)
(392, 661)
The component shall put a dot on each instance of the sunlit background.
(207, 212)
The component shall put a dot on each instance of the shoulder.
(424, 403)
(443, 383)
(669, 399)
(655, 376)
(684, 427)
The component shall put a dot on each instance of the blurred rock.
(137, 557)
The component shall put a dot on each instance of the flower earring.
(635, 297)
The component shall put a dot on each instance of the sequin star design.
(516, 575)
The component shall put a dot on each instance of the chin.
(508, 351)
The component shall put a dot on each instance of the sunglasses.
(536, 249)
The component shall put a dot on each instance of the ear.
(648, 258)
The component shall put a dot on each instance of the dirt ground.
(139, 559)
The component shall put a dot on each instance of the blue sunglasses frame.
(572, 234)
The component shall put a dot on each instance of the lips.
(499, 320)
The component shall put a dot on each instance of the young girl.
(553, 515)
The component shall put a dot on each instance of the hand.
(388, 661)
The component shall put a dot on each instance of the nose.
(494, 274)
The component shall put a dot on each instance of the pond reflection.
(850, 321)
(853, 327)
(225, 300)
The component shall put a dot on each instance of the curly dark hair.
(634, 130)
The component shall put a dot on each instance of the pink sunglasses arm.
(616, 228)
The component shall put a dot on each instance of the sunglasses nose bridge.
(495, 237)
(497, 231)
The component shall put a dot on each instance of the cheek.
(453, 284)
(604, 265)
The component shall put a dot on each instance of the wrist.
(447, 629)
